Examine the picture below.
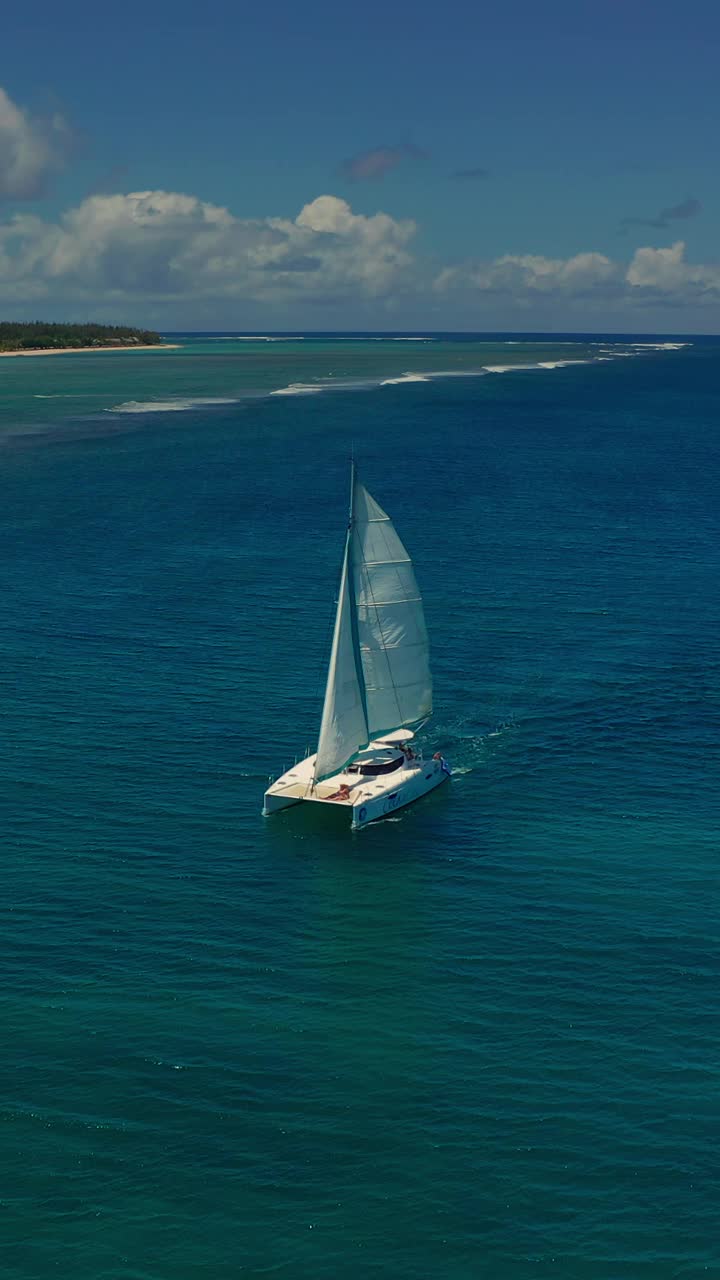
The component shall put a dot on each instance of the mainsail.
(379, 675)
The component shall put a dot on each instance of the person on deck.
(342, 793)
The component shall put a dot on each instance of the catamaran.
(379, 687)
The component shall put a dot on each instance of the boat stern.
(415, 780)
(290, 788)
(275, 800)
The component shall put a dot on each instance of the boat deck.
(303, 791)
(367, 796)
(358, 787)
(296, 783)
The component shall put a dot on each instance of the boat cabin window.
(372, 768)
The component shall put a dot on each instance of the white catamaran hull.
(365, 798)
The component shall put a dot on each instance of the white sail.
(390, 622)
(343, 729)
(379, 675)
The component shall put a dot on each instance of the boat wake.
(469, 751)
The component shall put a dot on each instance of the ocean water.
(479, 1040)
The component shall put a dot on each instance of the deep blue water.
(478, 1040)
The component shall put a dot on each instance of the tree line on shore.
(39, 335)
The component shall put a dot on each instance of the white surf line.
(175, 405)
(560, 364)
(301, 389)
(183, 403)
(661, 346)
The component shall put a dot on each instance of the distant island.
(40, 338)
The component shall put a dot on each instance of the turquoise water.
(477, 1040)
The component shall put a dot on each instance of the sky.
(390, 166)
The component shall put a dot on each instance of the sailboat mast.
(352, 489)
(343, 727)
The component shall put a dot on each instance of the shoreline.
(68, 351)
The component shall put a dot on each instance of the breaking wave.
(560, 364)
(256, 337)
(175, 405)
(178, 404)
(662, 346)
(605, 354)
(507, 368)
(299, 389)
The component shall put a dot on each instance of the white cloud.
(523, 274)
(167, 246)
(666, 271)
(31, 150)
(660, 276)
(175, 252)
(171, 254)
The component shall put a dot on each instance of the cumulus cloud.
(173, 250)
(689, 208)
(31, 150)
(522, 274)
(652, 276)
(167, 246)
(373, 164)
(665, 271)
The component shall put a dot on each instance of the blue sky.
(523, 158)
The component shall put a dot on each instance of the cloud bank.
(167, 246)
(652, 276)
(171, 254)
(525, 274)
(164, 247)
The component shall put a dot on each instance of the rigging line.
(322, 664)
(346, 580)
(357, 655)
(312, 733)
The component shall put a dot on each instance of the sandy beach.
(67, 351)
